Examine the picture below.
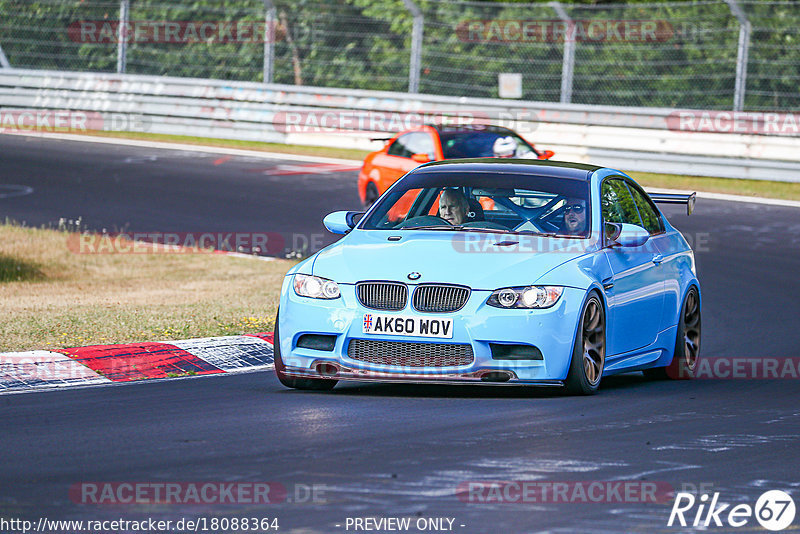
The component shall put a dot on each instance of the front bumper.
(550, 330)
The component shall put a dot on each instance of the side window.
(650, 218)
(412, 143)
(522, 147)
(421, 143)
(618, 205)
(400, 146)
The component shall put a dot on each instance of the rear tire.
(316, 384)
(371, 195)
(589, 352)
(686, 356)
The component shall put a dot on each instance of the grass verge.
(756, 188)
(66, 299)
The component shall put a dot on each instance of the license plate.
(405, 325)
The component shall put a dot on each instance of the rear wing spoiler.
(676, 198)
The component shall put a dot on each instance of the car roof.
(558, 169)
(470, 128)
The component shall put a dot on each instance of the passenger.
(574, 217)
(453, 206)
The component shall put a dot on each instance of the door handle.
(657, 259)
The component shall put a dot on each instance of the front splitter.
(481, 378)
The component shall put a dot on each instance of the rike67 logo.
(774, 510)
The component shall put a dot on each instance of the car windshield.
(484, 202)
(461, 144)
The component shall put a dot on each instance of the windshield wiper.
(534, 232)
(430, 227)
(484, 230)
(458, 228)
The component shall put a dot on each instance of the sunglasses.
(577, 208)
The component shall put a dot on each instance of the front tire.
(316, 384)
(589, 352)
(686, 356)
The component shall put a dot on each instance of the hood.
(478, 260)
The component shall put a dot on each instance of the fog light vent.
(515, 352)
(316, 342)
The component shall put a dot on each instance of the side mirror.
(627, 235)
(420, 158)
(546, 154)
(341, 222)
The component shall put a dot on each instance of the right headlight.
(315, 287)
(526, 297)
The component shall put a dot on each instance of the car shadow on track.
(609, 384)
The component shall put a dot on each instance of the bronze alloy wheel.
(687, 343)
(691, 332)
(589, 353)
(594, 341)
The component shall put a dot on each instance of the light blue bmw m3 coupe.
(495, 271)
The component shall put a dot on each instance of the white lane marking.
(140, 159)
(12, 190)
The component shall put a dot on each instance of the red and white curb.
(105, 364)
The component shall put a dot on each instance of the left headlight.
(315, 287)
(526, 297)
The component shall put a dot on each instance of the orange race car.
(411, 148)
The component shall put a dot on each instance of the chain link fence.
(710, 54)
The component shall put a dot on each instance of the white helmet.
(504, 147)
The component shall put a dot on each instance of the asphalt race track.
(126, 189)
(393, 450)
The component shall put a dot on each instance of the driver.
(574, 217)
(453, 206)
(504, 147)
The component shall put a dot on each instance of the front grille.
(405, 354)
(391, 296)
(439, 298)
